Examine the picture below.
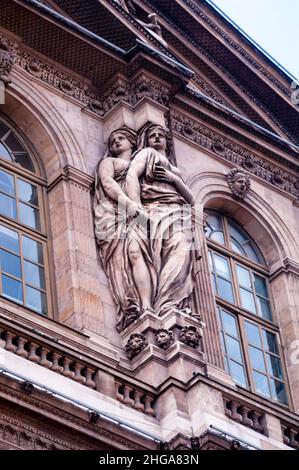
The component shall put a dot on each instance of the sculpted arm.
(183, 189)
(136, 170)
(110, 186)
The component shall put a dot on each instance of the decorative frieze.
(130, 91)
(233, 153)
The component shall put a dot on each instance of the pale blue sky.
(273, 24)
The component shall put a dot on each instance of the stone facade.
(173, 384)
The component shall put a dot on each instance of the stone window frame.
(40, 234)
(239, 312)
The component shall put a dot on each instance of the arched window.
(23, 243)
(248, 333)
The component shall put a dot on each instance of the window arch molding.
(54, 142)
(255, 215)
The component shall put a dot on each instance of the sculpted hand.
(161, 174)
(135, 210)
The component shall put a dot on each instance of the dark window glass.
(36, 300)
(10, 264)
(32, 250)
(8, 206)
(29, 216)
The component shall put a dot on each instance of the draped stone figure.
(117, 246)
(153, 182)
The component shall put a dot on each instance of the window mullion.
(247, 361)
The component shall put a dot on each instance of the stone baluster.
(43, 359)
(119, 395)
(234, 409)
(293, 438)
(55, 363)
(2, 341)
(227, 408)
(245, 419)
(127, 399)
(9, 342)
(286, 439)
(255, 421)
(137, 400)
(21, 351)
(32, 352)
(78, 375)
(66, 368)
(148, 408)
(89, 380)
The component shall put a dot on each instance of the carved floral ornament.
(136, 343)
(164, 338)
(7, 59)
(238, 182)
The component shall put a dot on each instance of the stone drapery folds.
(144, 225)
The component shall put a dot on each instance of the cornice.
(74, 176)
(250, 59)
(226, 149)
(53, 411)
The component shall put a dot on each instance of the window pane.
(217, 237)
(260, 286)
(27, 192)
(24, 160)
(9, 239)
(12, 289)
(34, 274)
(221, 266)
(222, 342)
(229, 324)
(236, 247)
(13, 144)
(233, 349)
(270, 343)
(8, 206)
(32, 250)
(237, 373)
(226, 364)
(7, 184)
(29, 216)
(10, 263)
(257, 359)
(247, 300)
(264, 308)
(274, 366)
(215, 222)
(225, 290)
(244, 277)
(3, 130)
(36, 300)
(278, 391)
(261, 384)
(214, 284)
(253, 335)
(253, 254)
(4, 153)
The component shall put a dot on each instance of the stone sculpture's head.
(121, 140)
(155, 136)
(238, 182)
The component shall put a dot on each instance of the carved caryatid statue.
(157, 185)
(112, 212)
(148, 259)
